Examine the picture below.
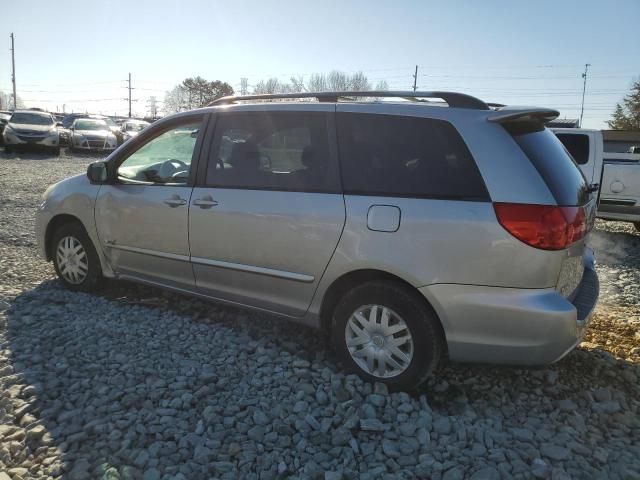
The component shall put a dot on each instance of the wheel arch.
(54, 224)
(346, 282)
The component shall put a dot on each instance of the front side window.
(407, 157)
(165, 159)
(271, 151)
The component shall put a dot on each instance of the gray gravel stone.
(555, 452)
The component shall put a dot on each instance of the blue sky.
(79, 53)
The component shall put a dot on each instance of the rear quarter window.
(554, 164)
(391, 155)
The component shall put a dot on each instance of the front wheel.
(75, 258)
(386, 333)
(637, 225)
(8, 149)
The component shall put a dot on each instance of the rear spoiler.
(522, 114)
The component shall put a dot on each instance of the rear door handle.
(175, 201)
(205, 202)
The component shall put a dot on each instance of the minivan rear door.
(266, 215)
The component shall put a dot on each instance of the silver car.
(131, 128)
(31, 129)
(91, 134)
(410, 231)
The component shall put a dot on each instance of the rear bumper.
(513, 326)
(619, 209)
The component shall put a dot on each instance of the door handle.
(175, 201)
(205, 202)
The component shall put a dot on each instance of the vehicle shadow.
(81, 384)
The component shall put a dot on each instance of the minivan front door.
(143, 218)
(267, 216)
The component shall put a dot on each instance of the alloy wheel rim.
(379, 341)
(72, 260)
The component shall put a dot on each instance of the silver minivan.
(411, 227)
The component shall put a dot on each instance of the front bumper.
(513, 326)
(15, 140)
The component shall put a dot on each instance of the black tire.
(56, 151)
(8, 149)
(421, 320)
(93, 279)
(637, 225)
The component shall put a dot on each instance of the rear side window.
(406, 157)
(578, 146)
(556, 167)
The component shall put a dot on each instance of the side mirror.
(97, 172)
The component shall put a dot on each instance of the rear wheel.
(75, 258)
(8, 149)
(386, 333)
(637, 225)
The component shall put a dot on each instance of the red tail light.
(543, 226)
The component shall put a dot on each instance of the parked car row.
(23, 129)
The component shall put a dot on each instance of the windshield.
(109, 122)
(134, 127)
(90, 125)
(31, 119)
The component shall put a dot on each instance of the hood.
(27, 127)
(93, 133)
(131, 133)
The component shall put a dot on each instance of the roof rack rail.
(453, 99)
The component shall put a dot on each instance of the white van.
(616, 174)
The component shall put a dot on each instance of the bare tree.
(317, 83)
(6, 101)
(297, 84)
(176, 100)
(338, 81)
(358, 82)
(382, 85)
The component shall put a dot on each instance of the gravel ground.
(137, 383)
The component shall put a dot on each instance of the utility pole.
(415, 79)
(129, 94)
(584, 88)
(13, 72)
